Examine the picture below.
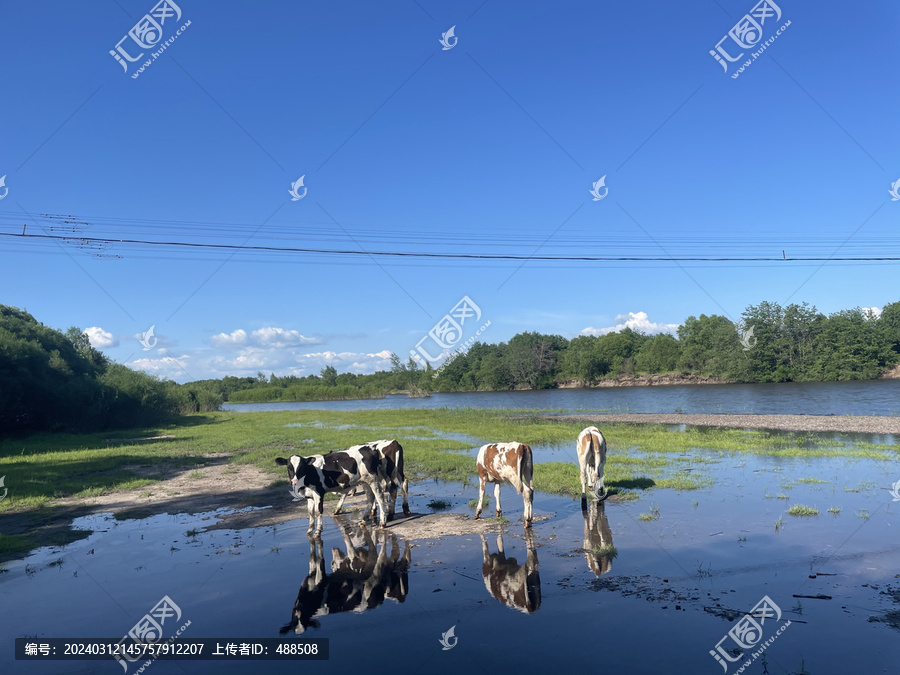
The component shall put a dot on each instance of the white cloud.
(638, 321)
(263, 337)
(100, 339)
(876, 311)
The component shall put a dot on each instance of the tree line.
(770, 343)
(53, 380)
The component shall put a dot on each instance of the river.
(870, 397)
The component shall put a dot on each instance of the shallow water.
(872, 397)
(542, 599)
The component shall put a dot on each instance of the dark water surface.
(656, 606)
(874, 397)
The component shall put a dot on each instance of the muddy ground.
(834, 423)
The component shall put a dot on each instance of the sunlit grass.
(801, 511)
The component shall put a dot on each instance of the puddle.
(644, 596)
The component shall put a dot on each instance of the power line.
(93, 241)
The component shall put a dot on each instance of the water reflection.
(517, 586)
(360, 579)
(598, 542)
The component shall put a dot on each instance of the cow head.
(296, 466)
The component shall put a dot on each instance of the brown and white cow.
(598, 540)
(317, 475)
(506, 463)
(391, 467)
(517, 586)
(591, 448)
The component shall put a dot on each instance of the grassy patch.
(835, 510)
(800, 511)
(653, 515)
(439, 504)
(811, 480)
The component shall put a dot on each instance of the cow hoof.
(382, 526)
(477, 516)
(406, 511)
(499, 514)
(527, 524)
(390, 517)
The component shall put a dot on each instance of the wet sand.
(833, 423)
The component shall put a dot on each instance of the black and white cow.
(317, 475)
(390, 453)
(516, 586)
(359, 580)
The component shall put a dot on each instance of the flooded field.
(642, 586)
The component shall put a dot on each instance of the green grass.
(474, 502)
(605, 551)
(653, 515)
(800, 511)
(811, 480)
(439, 504)
(835, 510)
(43, 467)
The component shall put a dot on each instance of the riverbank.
(819, 423)
(207, 461)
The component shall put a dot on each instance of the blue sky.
(489, 147)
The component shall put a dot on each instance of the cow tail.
(526, 469)
(400, 475)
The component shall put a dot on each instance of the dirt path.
(825, 423)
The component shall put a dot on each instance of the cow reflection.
(517, 586)
(598, 542)
(360, 579)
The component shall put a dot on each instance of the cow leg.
(497, 499)
(600, 465)
(392, 499)
(528, 497)
(379, 499)
(480, 497)
(340, 504)
(583, 473)
(404, 486)
(370, 500)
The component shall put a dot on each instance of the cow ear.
(281, 461)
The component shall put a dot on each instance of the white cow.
(591, 447)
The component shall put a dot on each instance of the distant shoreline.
(868, 424)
